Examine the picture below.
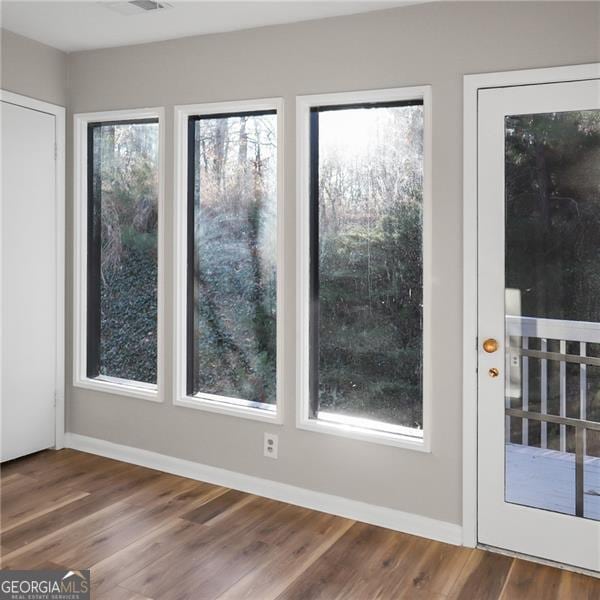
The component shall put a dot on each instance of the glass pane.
(541, 479)
(552, 192)
(122, 262)
(234, 275)
(370, 281)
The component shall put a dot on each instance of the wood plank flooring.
(150, 535)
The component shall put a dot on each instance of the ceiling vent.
(136, 7)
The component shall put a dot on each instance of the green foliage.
(553, 215)
(370, 326)
(125, 162)
(128, 318)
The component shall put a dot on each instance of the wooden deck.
(546, 479)
(151, 535)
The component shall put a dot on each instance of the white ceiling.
(85, 25)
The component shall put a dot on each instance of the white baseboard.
(335, 505)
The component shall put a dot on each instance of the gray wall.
(33, 69)
(429, 44)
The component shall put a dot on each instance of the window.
(364, 277)
(231, 308)
(117, 283)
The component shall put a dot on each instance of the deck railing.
(520, 331)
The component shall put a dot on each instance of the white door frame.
(59, 113)
(472, 85)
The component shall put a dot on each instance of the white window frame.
(353, 428)
(112, 385)
(204, 401)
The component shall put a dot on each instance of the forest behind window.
(369, 200)
(122, 250)
(553, 213)
(233, 271)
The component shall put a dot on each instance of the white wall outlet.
(271, 443)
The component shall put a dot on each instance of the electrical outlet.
(271, 443)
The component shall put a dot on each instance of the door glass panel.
(552, 208)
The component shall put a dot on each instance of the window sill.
(120, 387)
(232, 407)
(399, 440)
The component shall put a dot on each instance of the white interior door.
(539, 311)
(29, 281)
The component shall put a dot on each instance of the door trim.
(472, 85)
(59, 193)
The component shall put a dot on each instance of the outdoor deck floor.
(546, 479)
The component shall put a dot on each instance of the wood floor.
(146, 534)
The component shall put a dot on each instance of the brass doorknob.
(490, 345)
(494, 372)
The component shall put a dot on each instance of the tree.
(235, 257)
(126, 170)
(370, 266)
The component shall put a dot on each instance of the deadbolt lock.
(494, 372)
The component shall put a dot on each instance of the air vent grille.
(136, 7)
(148, 4)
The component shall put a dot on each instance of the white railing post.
(525, 393)
(563, 396)
(544, 394)
(582, 383)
